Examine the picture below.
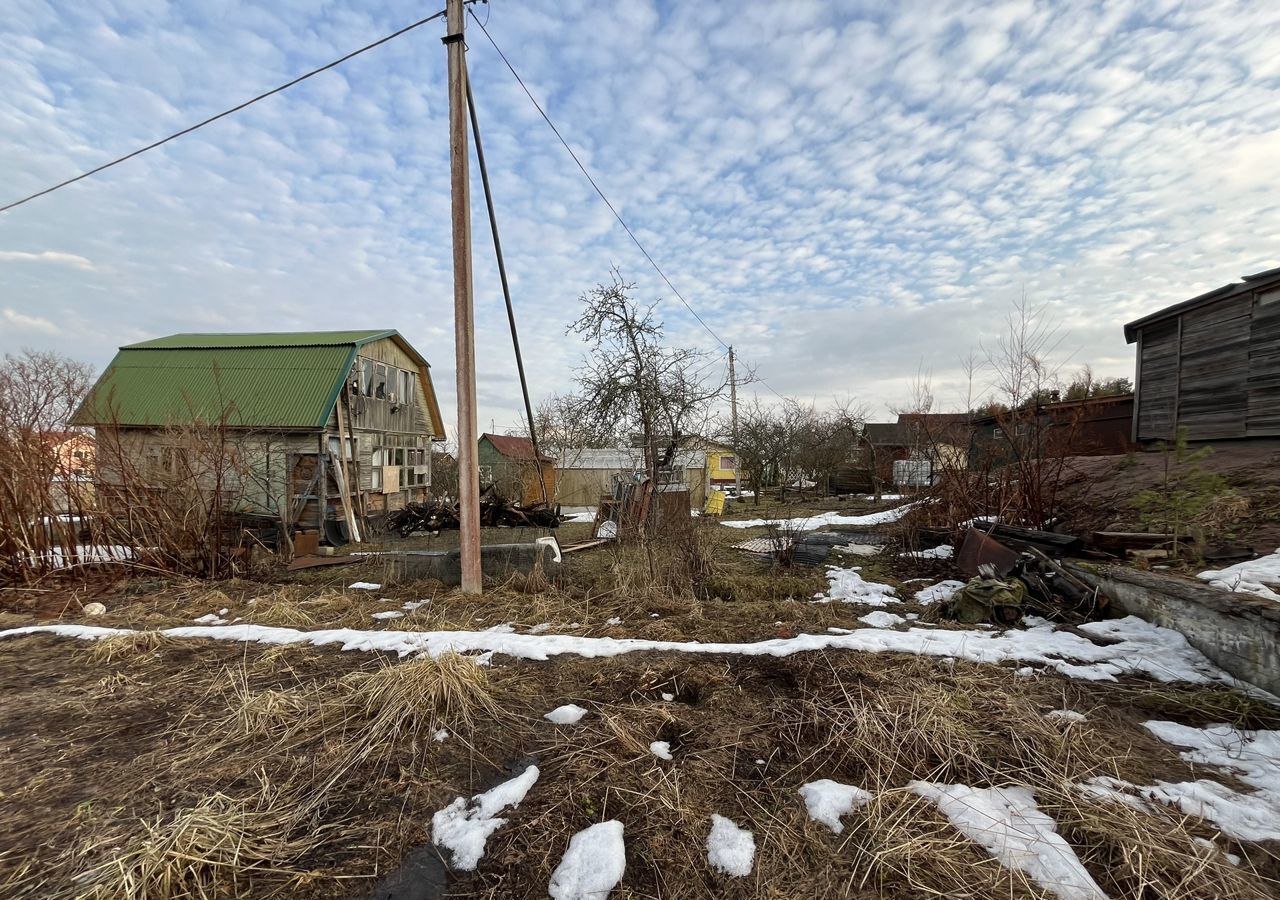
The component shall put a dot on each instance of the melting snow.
(411, 605)
(565, 715)
(613, 620)
(848, 586)
(364, 586)
(1140, 648)
(946, 551)
(828, 800)
(661, 749)
(809, 523)
(1257, 576)
(593, 864)
(1007, 823)
(210, 619)
(1065, 715)
(462, 827)
(440, 736)
(938, 593)
(881, 619)
(389, 614)
(730, 849)
(1253, 757)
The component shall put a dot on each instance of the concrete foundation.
(496, 561)
(1239, 632)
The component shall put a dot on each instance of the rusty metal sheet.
(978, 549)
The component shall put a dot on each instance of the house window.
(728, 462)
(366, 384)
(1021, 428)
(406, 388)
(376, 478)
(380, 382)
(997, 432)
(486, 475)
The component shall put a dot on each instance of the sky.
(849, 193)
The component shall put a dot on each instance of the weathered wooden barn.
(313, 427)
(1211, 364)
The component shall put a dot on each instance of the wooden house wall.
(1214, 370)
(1263, 411)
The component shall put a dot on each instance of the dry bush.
(210, 850)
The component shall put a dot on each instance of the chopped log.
(1015, 536)
(1129, 540)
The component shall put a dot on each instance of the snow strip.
(881, 619)
(730, 849)
(389, 614)
(1257, 576)
(210, 619)
(593, 864)
(565, 715)
(1007, 823)
(828, 800)
(463, 827)
(1140, 649)
(1252, 757)
(848, 586)
(661, 749)
(809, 523)
(364, 586)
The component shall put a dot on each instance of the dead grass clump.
(407, 698)
(1202, 704)
(1149, 852)
(282, 613)
(211, 850)
(134, 647)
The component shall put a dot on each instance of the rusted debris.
(979, 550)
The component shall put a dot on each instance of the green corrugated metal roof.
(255, 386)
(262, 339)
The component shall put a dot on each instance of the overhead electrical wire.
(226, 112)
(627, 228)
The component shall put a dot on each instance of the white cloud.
(24, 323)
(46, 256)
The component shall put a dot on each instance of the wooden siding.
(1263, 416)
(1159, 379)
(1214, 369)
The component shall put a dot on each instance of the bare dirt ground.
(144, 766)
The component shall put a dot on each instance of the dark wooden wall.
(1214, 369)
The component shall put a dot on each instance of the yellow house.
(722, 465)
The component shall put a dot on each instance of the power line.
(612, 209)
(177, 134)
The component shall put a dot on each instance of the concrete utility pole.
(463, 315)
(733, 409)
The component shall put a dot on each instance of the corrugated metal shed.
(263, 380)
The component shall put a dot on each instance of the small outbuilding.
(509, 465)
(1211, 364)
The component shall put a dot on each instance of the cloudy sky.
(848, 192)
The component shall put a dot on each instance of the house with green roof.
(324, 423)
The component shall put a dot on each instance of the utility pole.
(463, 314)
(733, 409)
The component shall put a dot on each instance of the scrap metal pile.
(442, 515)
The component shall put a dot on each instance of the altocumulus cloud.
(846, 193)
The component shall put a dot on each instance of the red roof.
(513, 447)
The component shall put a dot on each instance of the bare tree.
(632, 382)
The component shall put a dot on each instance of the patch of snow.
(540, 628)
(223, 611)
(592, 866)
(1065, 715)
(464, 826)
(730, 849)
(1140, 648)
(505, 628)
(607, 530)
(911, 617)
(1007, 823)
(834, 630)
(210, 619)
(661, 749)
(809, 523)
(83, 555)
(945, 551)
(565, 715)
(668, 697)
(364, 586)
(1257, 576)
(1211, 846)
(848, 586)
(389, 614)
(828, 800)
(881, 619)
(938, 593)
(440, 736)
(411, 605)
(613, 620)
